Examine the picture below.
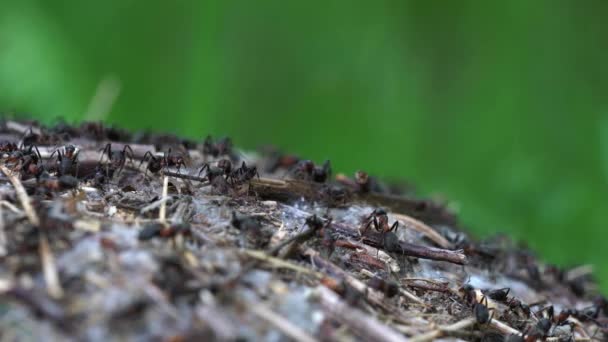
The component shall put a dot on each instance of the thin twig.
(280, 263)
(23, 197)
(369, 328)
(162, 214)
(440, 331)
(49, 268)
(285, 326)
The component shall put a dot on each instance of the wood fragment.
(362, 324)
(421, 227)
(49, 268)
(405, 248)
(162, 214)
(440, 331)
(286, 327)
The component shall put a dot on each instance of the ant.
(8, 147)
(28, 161)
(499, 295)
(155, 164)
(243, 174)
(116, 159)
(221, 147)
(482, 312)
(223, 168)
(153, 230)
(63, 182)
(544, 324)
(67, 160)
(379, 219)
(515, 304)
(176, 160)
(308, 171)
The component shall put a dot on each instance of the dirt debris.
(98, 243)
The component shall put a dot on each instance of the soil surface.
(109, 235)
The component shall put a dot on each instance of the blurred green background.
(498, 106)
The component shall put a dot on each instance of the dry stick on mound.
(376, 239)
(49, 267)
(285, 326)
(361, 323)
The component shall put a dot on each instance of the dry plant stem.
(457, 257)
(280, 263)
(419, 226)
(285, 326)
(434, 334)
(218, 321)
(162, 215)
(23, 197)
(361, 323)
(49, 268)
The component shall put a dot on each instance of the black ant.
(500, 295)
(243, 174)
(482, 312)
(221, 147)
(223, 168)
(544, 324)
(308, 171)
(67, 161)
(320, 174)
(116, 159)
(155, 164)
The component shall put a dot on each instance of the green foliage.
(500, 107)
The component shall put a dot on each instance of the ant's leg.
(394, 227)
(108, 150)
(205, 166)
(130, 154)
(376, 224)
(369, 223)
(147, 156)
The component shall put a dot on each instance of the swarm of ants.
(155, 237)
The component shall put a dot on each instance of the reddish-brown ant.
(163, 231)
(67, 162)
(379, 219)
(8, 147)
(28, 161)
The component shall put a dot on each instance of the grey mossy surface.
(211, 280)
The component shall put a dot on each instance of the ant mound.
(107, 235)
